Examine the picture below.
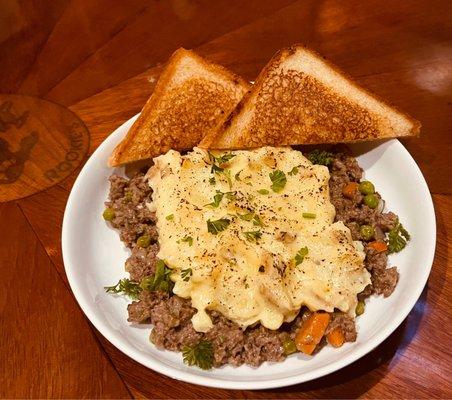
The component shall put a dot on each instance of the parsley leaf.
(218, 225)
(187, 239)
(125, 286)
(186, 274)
(278, 179)
(160, 280)
(263, 191)
(257, 221)
(216, 200)
(169, 217)
(246, 217)
(200, 354)
(212, 180)
(397, 238)
(320, 157)
(253, 236)
(302, 253)
(237, 176)
(293, 171)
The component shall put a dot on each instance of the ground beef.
(347, 325)
(354, 213)
(128, 200)
(385, 281)
(171, 315)
(142, 262)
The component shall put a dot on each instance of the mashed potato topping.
(251, 235)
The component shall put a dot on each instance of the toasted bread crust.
(288, 106)
(176, 116)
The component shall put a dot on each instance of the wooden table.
(100, 60)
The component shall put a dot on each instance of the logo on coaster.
(41, 143)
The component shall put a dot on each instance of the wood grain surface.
(101, 59)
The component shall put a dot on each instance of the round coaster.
(41, 143)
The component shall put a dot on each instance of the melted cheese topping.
(254, 277)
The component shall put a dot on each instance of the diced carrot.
(350, 189)
(336, 337)
(378, 245)
(311, 332)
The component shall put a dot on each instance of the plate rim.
(215, 382)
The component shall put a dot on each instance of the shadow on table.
(383, 357)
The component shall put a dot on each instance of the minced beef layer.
(171, 315)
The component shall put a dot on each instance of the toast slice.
(299, 98)
(191, 98)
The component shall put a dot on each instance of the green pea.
(371, 200)
(366, 187)
(289, 346)
(367, 232)
(144, 241)
(108, 214)
(360, 307)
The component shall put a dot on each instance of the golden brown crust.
(288, 107)
(176, 116)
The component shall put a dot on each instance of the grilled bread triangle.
(191, 98)
(299, 98)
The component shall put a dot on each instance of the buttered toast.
(299, 98)
(192, 98)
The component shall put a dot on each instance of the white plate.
(94, 257)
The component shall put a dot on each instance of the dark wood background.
(100, 59)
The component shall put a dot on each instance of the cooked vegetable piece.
(350, 189)
(289, 346)
(378, 245)
(367, 232)
(311, 332)
(371, 200)
(144, 241)
(360, 307)
(308, 215)
(366, 187)
(108, 214)
(336, 337)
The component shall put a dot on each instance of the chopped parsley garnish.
(219, 196)
(253, 236)
(216, 200)
(237, 176)
(278, 179)
(126, 287)
(246, 217)
(186, 274)
(308, 215)
(218, 225)
(200, 354)
(302, 253)
(218, 165)
(397, 238)
(257, 221)
(169, 217)
(187, 239)
(212, 180)
(293, 171)
(160, 280)
(263, 191)
(320, 157)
